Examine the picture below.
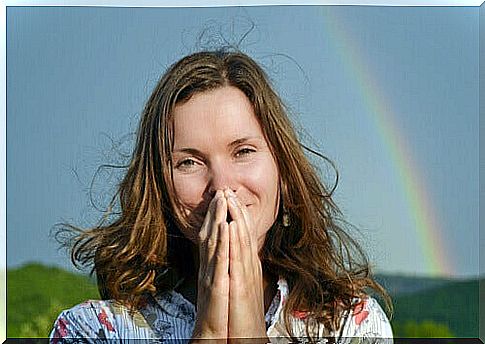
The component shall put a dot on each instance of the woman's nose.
(221, 177)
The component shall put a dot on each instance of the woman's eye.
(187, 163)
(244, 152)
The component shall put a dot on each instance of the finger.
(242, 207)
(235, 211)
(247, 238)
(213, 230)
(220, 237)
(244, 235)
(221, 210)
(243, 210)
(205, 227)
(219, 214)
(235, 264)
(207, 235)
(234, 206)
(221, 261)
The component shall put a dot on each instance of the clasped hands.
(230, 302)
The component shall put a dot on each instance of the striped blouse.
(170, 318)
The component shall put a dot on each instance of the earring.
(286, 217)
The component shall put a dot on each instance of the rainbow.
(427, 225)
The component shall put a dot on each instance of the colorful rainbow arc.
(427, 226)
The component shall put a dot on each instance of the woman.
(225, 229)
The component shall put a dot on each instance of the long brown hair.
(143, 250)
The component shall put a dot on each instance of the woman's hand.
(213, 283)
(230, 300)
(246, 300)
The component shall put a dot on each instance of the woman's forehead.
(224, 114)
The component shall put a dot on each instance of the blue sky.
(76, 74)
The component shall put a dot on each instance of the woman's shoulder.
(97, 319)
(166, 315)
(366, 319)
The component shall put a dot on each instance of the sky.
(389, 94)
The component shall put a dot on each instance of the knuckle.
(258, 270)
(242, 292)
(221, 241)
(211, 243)
(212, 264)
(203, 245)
(246, 240)
(220, 256)
(205, 282)
(220, 287)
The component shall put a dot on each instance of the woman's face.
(218, 144)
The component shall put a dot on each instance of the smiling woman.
(226, 231)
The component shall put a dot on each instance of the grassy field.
(454, 305)
(36, 294)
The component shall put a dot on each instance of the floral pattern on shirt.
(360, 312)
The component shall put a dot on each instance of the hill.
(454, 304)
(36, 294)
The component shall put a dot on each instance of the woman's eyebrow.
(244, 139)
(188, 151)
(232, 144)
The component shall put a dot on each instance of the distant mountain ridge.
(401, 285)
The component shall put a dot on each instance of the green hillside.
(36, 294)
(454, 304)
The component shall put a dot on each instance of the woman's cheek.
(188, 194)
(261, 177)
(188, 190)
